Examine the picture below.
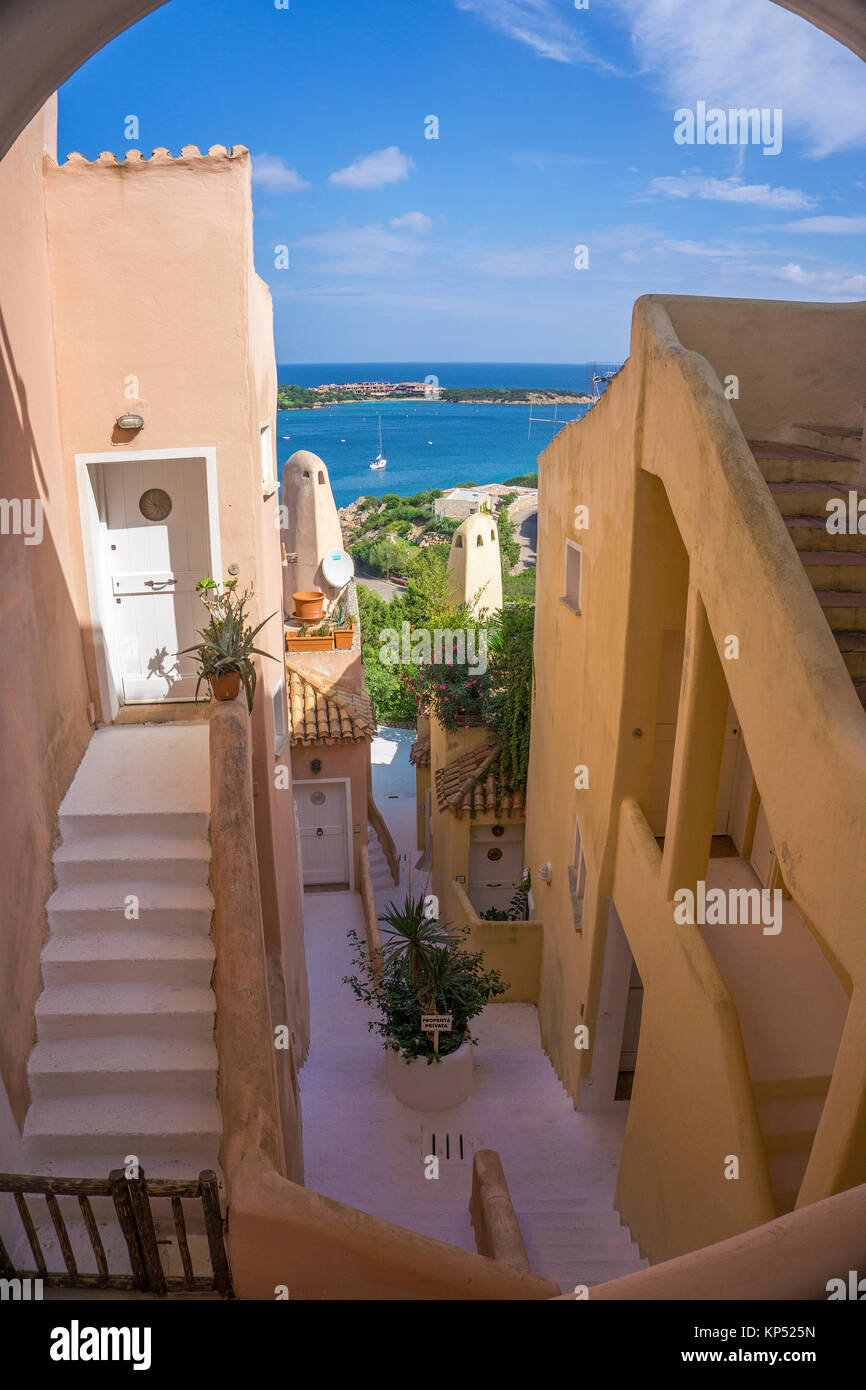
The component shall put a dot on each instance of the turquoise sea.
(426, 443)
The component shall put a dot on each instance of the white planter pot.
(439, 1086)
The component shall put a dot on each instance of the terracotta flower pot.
(343, 638)
(309, 604)
(296, 643)
(225, 687)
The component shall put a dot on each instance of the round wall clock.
(154, 504)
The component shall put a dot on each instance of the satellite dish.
(338, 568)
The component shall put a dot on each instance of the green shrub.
(425, 970)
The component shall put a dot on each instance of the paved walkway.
(362, 1147)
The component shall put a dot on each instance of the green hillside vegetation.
(391, 532)
(426, 603)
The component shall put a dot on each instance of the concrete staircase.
(788, 1114)
(570, 1228)
(125, 1062)
(379, 868)
(577, 1240)
(802, 479)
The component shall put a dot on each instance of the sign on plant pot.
(436, 1024)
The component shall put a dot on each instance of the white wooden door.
(157, 542)
(495, 866)
(323, 833)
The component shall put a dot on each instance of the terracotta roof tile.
(470, 783)
(323, 711)
(419, 753)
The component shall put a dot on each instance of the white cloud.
(375, 170)
(752, 53)
(696, 248)
(360, 251)
(412, 222)
(271, 173)
(837, 284)
(541, 25)
(730, 190)
(532, 262)
(827, 226)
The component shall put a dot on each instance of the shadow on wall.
(43, 686)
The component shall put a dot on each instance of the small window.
(459, 543)
(493, 535)
(321, 477)
(480, 540)
(573, 567)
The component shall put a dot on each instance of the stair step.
(128, 957)
(791, 1088)
(795, 1141)
(843, 611)
(138, 858)
(835, 570)
(808, 498)
(178, 908)
(570, 1274)
(834, 431)
(787, 1167)
(594, 1243)
(186, 825)
(605, 1220)
(124, 1125)
(853, 653)
(86, 1066)
(843, 437)
(811, 533)
(801, 462)
(144, 1010)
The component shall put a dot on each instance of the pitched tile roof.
(327, 711)
(471, 783)
(419, 753)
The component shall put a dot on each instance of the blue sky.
(556, 129)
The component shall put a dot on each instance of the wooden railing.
(377, 820)
(131, 1201)
(497, 1230)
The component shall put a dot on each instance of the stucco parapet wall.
(161, 157)
(513, 947)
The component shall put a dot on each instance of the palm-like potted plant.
(425, 969)
(226, 649)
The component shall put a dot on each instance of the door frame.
(95, 559)
(350, 838)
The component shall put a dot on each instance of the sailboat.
(380, 460)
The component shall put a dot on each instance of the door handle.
(158, 583)
(319, 832)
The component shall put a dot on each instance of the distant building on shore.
(461, 503)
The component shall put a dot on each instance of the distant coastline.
(293, 397)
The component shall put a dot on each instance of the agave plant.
(227, 640)
(412, 939)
